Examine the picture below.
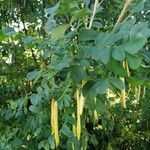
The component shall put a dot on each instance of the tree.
(74, 74)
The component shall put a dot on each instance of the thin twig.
(126, 5)
(93, 14)
(100, 3)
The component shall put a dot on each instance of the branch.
(93, 14)
(126, 5)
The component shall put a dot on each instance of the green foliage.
(47, 52)
(87, 35)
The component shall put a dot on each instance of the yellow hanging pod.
(123, 92)
(123, 95)
(78, 115)
(54, 121)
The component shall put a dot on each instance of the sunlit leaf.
(58, 32)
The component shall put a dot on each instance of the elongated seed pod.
(54, 121)
(52, 116)
(123, 92)
(81, 100)
(78, 115)
(139, 92)
(123, 96)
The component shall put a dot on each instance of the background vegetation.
(74, 74)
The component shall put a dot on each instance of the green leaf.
(78, 73)
(135, 44)
(17, 142)
(35, 98)
(118, 53)
(141, 28)
(87, 35)
(58, 32)
(51, 23)
(117, 68)
(135, 81)
(91, 52)
(52, 10)
(137, 7)
(104, 54)
(125, 28)
(88, 90)
(100, 106)
(85, 63)
(91, 88)
(68, 119)
(2, 36)
(80, 13)
(66, 131)
(44, 144)
(101, 86)
(106, 39)
(9, 31)
(134, 62)
(40, 145)
(117, 83)
(58, 64)
(33, 109)
(64, 102)
(86, 2)
(20, 102)
(68, 6)
(97, 24)
(98, 53)
(51, 142)
(27, 39)
(32, 75)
